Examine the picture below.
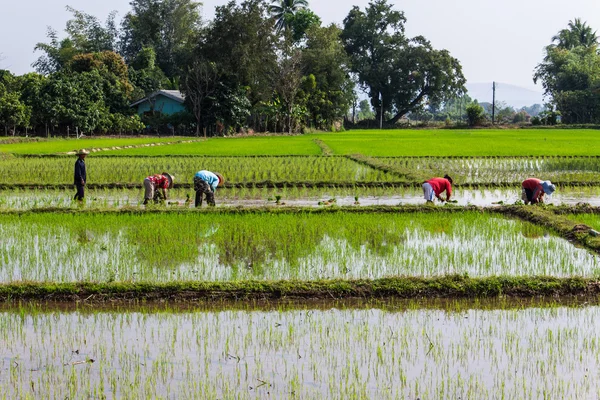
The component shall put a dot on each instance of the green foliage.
(242, 44)
(475, 114)
(403, 73)
(169, 27)
(284, 11)
(570, 74)
(328, 87)
(301, 22)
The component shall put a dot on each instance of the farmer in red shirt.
(154, 184)
(435, 187)
(534, 190)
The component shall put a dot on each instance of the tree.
(576, 34)
(288, 83)
(58, 54)
(241, 42)
(284, 10)
(402, 73)
(475, 114)
(365, 111)
(571, 78)
(199, 83)
(88, 35)
(85, 34)
(113, 74)
(325, 59)
(13, 112)
(170, 27)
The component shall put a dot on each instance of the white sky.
(494, 40)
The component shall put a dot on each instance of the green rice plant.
(386, 351)
(470, 142)
(498, 170)
(164, 247)
(133, 170)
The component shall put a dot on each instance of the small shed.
(164, 101)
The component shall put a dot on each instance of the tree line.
(257, 65)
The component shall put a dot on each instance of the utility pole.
(493, 102)
(381, 112)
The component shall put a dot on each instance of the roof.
(171, 94)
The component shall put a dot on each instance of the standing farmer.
(534, 190)
(206, 182)
(155, 184)
(80, 175)
(435, 187)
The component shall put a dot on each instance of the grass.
(234, 146)
(51, 146)
(454, 286)
(387, 143)
(478, 142)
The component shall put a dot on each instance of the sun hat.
(82, 152)
(548, 187)
(221, 179)
(170, 177)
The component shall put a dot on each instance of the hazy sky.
(494, 40)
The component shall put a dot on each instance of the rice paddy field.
(320, 274)
(386, 350)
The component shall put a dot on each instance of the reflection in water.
(302, 353)
(117, 198)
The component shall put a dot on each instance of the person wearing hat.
(534, 189)
(435, 187)
(80, 175)
(206, 183)
(154, 184)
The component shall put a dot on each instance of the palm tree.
(577, 34)
(281, 10)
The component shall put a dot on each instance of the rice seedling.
(50, 247)
(462, 351)
(498, 170)
(111, 170)
(464, 143)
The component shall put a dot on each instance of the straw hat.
(82, 152)
(221, 179)
(170, 177)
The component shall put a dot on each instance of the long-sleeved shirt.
(439, 185)
(160, 181)
(80, 175)
(535, 185)
(208, 177)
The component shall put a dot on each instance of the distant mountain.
(512, 95)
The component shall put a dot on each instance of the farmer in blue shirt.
(80, 175)
(206, 182)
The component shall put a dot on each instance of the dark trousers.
(80, 192)
(529, 194)
(203, 188)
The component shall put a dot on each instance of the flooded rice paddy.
(389, 351)
(23, 199)
(267, 246)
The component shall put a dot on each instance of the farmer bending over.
(80, 175)
(534, 190)
(155, 184)
(206, 182)
(435, 187)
